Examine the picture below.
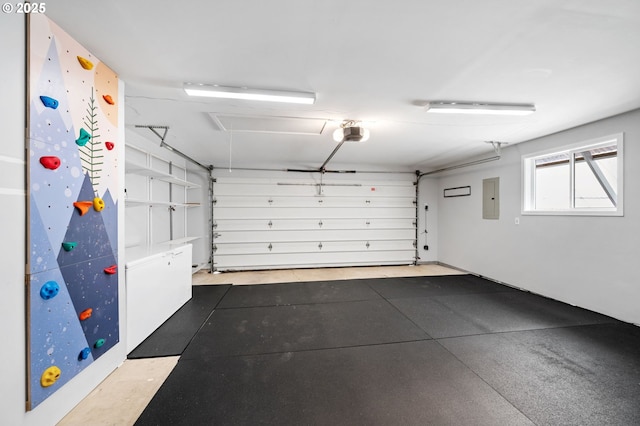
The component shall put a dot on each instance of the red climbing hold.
(111, 269)
(50, 163)
(108, 99)
(83, 206)
(86, 314)
(109, 145)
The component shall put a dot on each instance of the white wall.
(585, 261)
(12, 261)
(428, 232)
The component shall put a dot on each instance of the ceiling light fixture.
(245, 93)
(351, 131)
(449, 107)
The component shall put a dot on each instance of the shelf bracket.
(163, 144)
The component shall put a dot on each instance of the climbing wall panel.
(72, 271)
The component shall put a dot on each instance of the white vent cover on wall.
(268, 124)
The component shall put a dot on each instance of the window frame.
(528, 179)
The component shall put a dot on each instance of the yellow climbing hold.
(50, 376)
(85, 63)
(98, 204)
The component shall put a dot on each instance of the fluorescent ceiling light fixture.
(245, 93)
(449, 107)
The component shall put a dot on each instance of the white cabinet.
(158, 245)
(157, 285)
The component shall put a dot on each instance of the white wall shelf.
(181, 240)
(134, 168)
(157, 181)
(139, 202)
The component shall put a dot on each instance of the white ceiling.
(376, 61)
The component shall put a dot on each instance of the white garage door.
(313, 220)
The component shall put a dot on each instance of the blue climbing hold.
(49, 290)
(49, 102)
(83, 138)
(84, 354)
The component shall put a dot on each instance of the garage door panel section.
(275, 222)
(315, 212)
(316, 223)
(249, 262)
(313, 201)
(313, 247)
(313, 235)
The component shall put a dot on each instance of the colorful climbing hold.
(50, 376)
(49, 290)
(68, 246)
(84, 354)
(99, 343)
(49, 102)
(83, 206)
(108, 99)
(85, 63)
(83, 138)
(98, 204)
(109, 145)
(111, 269)
(86, 314)
(50, 162)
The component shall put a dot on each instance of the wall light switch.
(517, 221)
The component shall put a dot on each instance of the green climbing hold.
(98, 343)
(84, 137)
(68, 246)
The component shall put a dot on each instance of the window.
(581, 179)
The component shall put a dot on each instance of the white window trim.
(528, 171)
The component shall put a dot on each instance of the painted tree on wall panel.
(91, 152)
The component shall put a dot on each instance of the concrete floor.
(124, 394)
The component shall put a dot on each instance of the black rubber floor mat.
(172, 337)
(259, 330)
(467, 314)
(436, 286)
(417, 383)
(584, 375)
(297, 293)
